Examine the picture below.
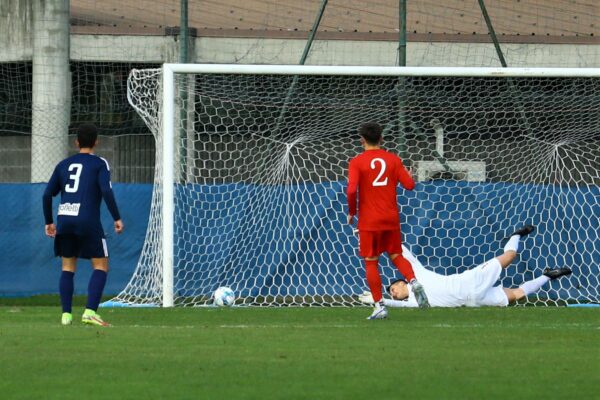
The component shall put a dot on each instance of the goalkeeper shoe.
(419, 292)
(90, 317)
(380, 312)
(523, 231)
(557, 272)
(366, 298)
(67, 318)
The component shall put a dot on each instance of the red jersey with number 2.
(375, 173)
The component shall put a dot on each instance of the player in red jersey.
(375, 174)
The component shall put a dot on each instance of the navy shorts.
(70, 245)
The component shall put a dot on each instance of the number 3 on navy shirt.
(75, 178)
(378, 181)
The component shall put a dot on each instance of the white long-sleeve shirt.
(464, 289)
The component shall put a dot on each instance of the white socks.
(533, 285)
(513, 243)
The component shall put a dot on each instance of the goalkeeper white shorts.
(478, 285)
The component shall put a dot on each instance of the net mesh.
(261, 161)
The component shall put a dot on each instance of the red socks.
(374, 279)
(404, 267)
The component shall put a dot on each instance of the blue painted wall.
(442, 220)
(27, 262)
(451, 227)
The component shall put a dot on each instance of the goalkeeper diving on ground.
(472, 288)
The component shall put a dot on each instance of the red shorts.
(373, 243)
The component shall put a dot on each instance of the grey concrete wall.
(15, 158)
(107, 48)
(131, 157)
(16, 30)
(16, 45)
(329, 52)
(337, 52)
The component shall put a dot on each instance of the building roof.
(377, 19)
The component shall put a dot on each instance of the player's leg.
(374, 278)
(393, 246)
(482, 278)
(514, 295)
(478, 283)
(501, 296)
(394, 250)
(66, 246)
(403, 266)
(368, 244)
(374, 282)
(98, 253)
(97, 282)
(512, 245)
(536, 284)
(66, 288)
(505, 259)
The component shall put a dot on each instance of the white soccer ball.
(224, 297)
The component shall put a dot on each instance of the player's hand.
(51, 230)
(350, 219)
(366, 298)
(119, 226)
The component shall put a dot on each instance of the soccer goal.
(251, 162)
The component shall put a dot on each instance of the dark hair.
(394, 281)
(87, 136)
(371, 132)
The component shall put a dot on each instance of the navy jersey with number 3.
(83, 180)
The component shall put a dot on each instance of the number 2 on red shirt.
(378, 181)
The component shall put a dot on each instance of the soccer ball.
(224, 297)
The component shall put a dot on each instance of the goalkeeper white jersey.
(464, 289)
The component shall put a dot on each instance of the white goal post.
(573, 150)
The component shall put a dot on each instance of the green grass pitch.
(301, 353)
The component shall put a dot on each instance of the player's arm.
(52, 189)
(404, 177)
(109, 196)
(367, 298)
(351, 192)
(409, 303)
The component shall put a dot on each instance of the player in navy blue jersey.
(82, 180)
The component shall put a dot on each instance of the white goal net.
(259, 177)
